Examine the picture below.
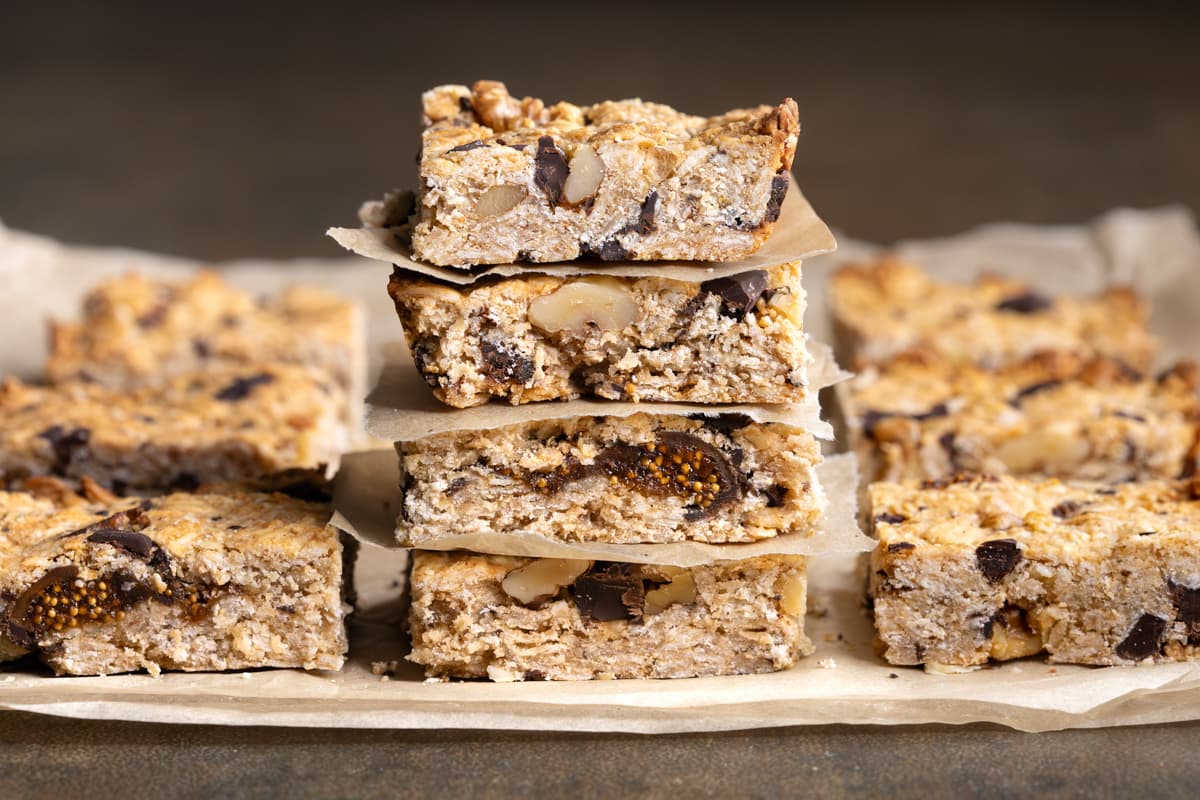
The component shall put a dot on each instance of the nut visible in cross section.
(542, 578)
(794, 595)
(680, 591)
(601, 302)
(1051, 450)
(1012, 636)
(499, 199)
(583, 179)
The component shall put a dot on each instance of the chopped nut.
(1044, 450)
(603, 302)
(793, 597)
(542, 578)
(1012, 637)
(585, 174)
(499, 199)
(680, 591)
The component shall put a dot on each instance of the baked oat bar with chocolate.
(233, 424)
(1052, 415)
(882, 309)
(504, 180)
(511, 619)
(649, 478)
(135, 331)
(1000, 568)
(738, 339)
(218, 581)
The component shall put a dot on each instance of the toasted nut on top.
(585, 174)
(542, 578)
(499, 199)
(603, 302)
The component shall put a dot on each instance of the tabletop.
(220, 131)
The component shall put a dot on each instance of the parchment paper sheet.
(843, 682)
(367, 496)
(798, 234)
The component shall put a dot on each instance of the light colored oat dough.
(179, 582)
(729, 340)
(504, 180)
(233, 424)
(1002, 568)
(135, 331)
(604, 620)
(885, 308)
(1052, 415)
(644, 478)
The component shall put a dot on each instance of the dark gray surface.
(217, 132)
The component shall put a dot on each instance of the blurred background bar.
(224, 129)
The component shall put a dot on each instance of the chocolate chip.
(464, 104)
(1066, 509)
(549, 169)
(462, 148)
(779, 187)
(241, 388)
(132, 542)
(1147, 533)
(305, 492)
(423, 359)
(997, 558)
(65, 444)
(776, 494)
(1026, 303)
(610, 591)
(890, 518)
(608, 250)
(503, 362)
(645, 220)
(739, 293)
(900, 547)
(184, 482)
(1143, 639)
(1187, 607)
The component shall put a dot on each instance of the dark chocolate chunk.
(65, 445)
(900, 547)
(549, 169)
(1147, 533)
(608, 250)
(462, 148)
(185, 482)
(1026, 303)
(1143, 638)
(241, 388)
(423, 359)
(776, 494)
(1187, 607)
(890, 518)
(464, 104)
(610, 591)
(645, 219)
(1067, 509)
(997, 558)
(738, 293)
(725, 423)
(132, 542)
(779, 187)
(1034, 389)
(306, 491)
(504, 363)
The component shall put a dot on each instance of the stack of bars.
(681, 386)
(1033, 482)
(162, 499)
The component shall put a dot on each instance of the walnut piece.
(499, 199)
(680, 591)
(542, 578)
(603, 302)
(585, 175)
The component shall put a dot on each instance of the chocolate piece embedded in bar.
(611, 621)
(985, 568)
(883, 309)
(732, 340)
(505, 180)
(221, 580)
(220, 425)
(643, 478)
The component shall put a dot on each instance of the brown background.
(218, 131)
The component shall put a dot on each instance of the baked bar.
(644, 478)
(1052, 415)
(135, 330)
(504, 180)
(231, 424)
(511, 619)
(729, 340)
(215, 581)
(882, 309)
(1001, 568)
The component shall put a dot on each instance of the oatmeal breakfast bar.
(135, 330)
(1052, 415)
(511, 619)
(881, 309)
(647, 478)
(738, 339)
(232, 580)
(978, 568)
(230, 424)
(504, 180)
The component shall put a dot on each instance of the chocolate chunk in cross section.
(610, 591)
(132, 542)
(997, 558)
(645, 219)
(462, 148)
(503, 362)
(779, 188)
(241, 388)
(1028, 302)
(1143, 639)
(65, 444)
(739, 293)
(1187, 607)
(550, 169)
